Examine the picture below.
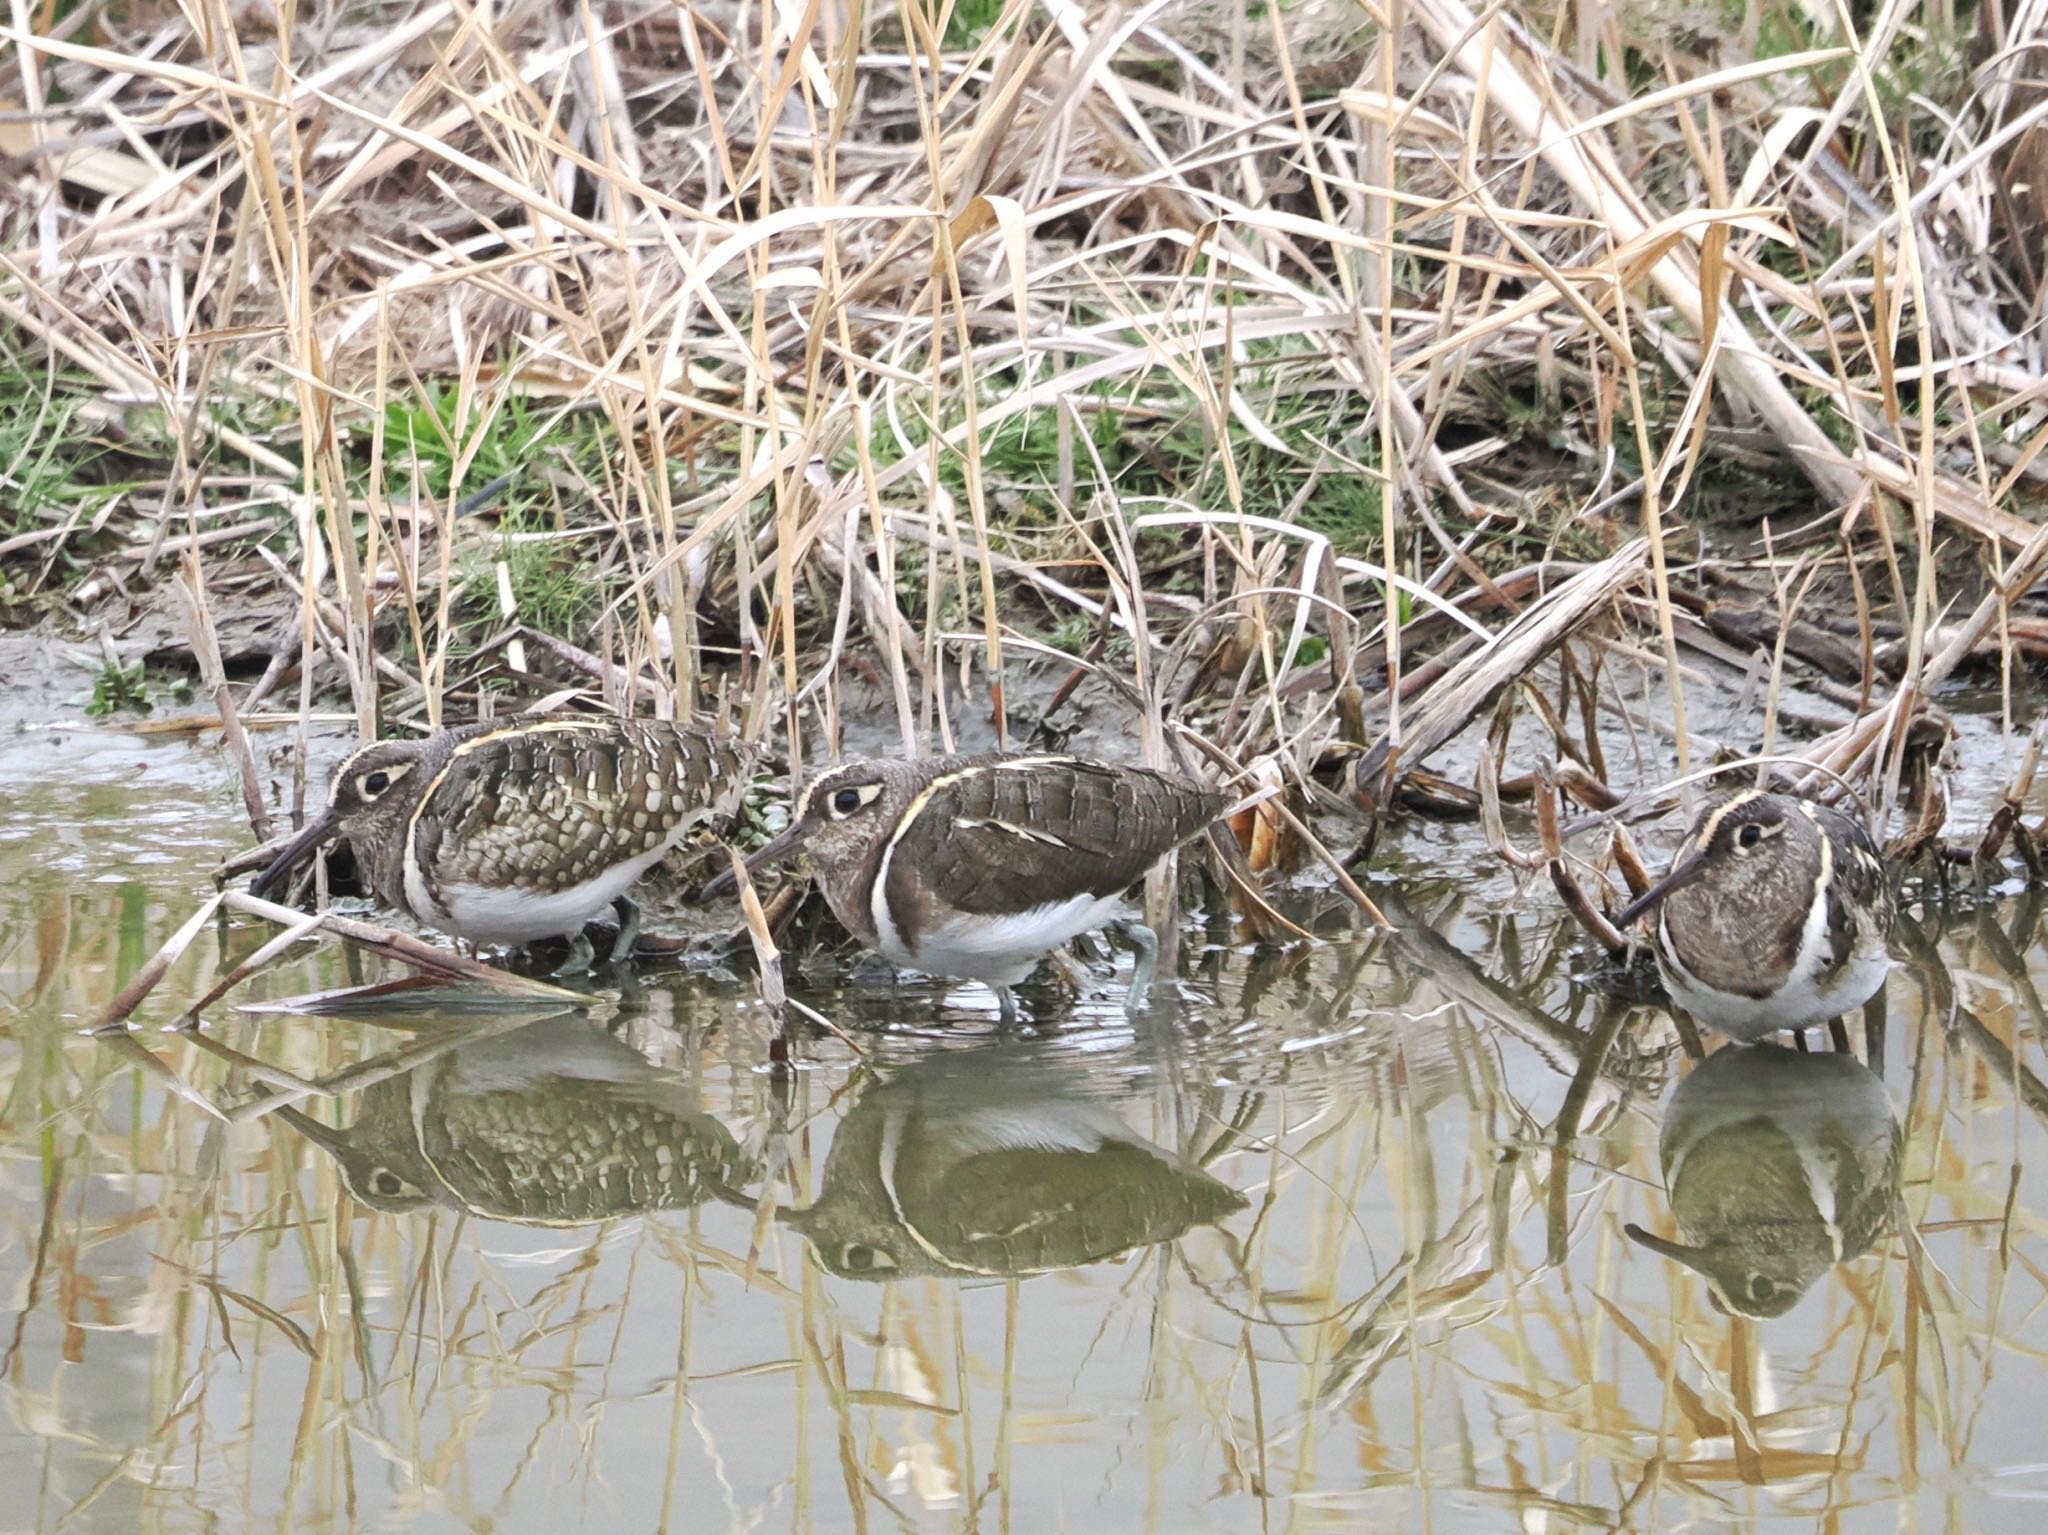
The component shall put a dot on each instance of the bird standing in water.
(978, 867)
(512, 832)
(1776, 914)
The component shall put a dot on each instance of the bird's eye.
(1750, 835)
(859, 1258)
(846, 801)
(372, 784)
(387, 1183)
(1761, 1287)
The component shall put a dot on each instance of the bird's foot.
(1146, 942)
(629, 932)
(581, 955)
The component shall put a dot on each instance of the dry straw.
(814, 355)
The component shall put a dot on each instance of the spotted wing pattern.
(565, 1151)
(547, 806)
(998, 835)
(1860, 891)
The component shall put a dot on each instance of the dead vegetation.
(1316, 384)
(1497, 415)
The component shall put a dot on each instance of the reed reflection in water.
(1407, 1226)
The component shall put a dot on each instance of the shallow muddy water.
(1345, 1239)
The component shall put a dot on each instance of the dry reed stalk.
(412, 951)
(1458, 698)
(1589, 916)
(144, 981)
(297, 933)
(1846, 751)
(766, 955)
(191, 588)
(1054, 224)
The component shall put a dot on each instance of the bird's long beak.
(776, 850)
(326, 1137)
(1664, 1247)
(1683, 873)
(317, 831)
(740, 1199)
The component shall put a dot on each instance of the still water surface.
(1361, 1238)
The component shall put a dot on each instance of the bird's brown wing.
(1860, 890)
(999, 835)
(548, 805)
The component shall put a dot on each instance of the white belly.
(1802, 1003)
(1000, 951)
(510, 914)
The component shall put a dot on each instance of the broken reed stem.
(153, 970)
(191, 588)
(1630, 861)
(299, 931)
(767, 958)
(412, 951)
(1589, 916)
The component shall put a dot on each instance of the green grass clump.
(969, 22)
(58, 463)
(557, 590)
(1158, 442)
(556, 584)
(116, 688)
(430, 433)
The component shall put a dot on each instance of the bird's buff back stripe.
(878, 894)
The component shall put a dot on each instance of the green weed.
(969, 22)
(117, 688)
(1157, 442)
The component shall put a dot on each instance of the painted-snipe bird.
(511, 832)
(553, 1124)
(980, 1164)
(1778, 1165)
(1776, 913)
(978, 867)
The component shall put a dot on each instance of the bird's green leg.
(1146, 942)
(580, 956)
(629, 931)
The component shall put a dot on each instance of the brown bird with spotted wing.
(979, 867)
(510, 832)
(1776, 913)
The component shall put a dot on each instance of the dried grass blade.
(145, 980)
(404, 946)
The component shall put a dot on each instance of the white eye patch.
(377, 781)
(845, 802)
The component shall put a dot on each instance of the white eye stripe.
(377, 781)
(864, 795)
(1752, 833)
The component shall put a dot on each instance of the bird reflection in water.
(1778, 1165)
(986, 1164)
(554, 1124)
